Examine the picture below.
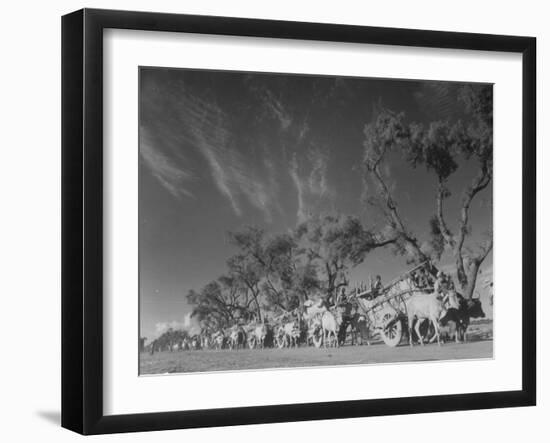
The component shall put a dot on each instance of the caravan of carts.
(366, 312)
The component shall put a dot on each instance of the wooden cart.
(387, 312)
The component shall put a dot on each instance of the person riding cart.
(440, 284)
(377, 287)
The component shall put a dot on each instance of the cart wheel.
(392, 335)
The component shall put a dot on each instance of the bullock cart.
(387, 311)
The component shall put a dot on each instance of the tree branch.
(480, 182)
(395, 217)
(485, 251)
(445, 232)
(382, 243)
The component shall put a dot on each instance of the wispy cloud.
(437, 99)
(273, 106)
(277, 109)
(311, 182)
(318, 177)
(173, 176)
(235, 178)
(272, 174)
(219, 169)
(303, 130)
(298, 183)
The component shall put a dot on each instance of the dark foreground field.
(226, 360)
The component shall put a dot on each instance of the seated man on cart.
(439, 284)
(377, 288)
(424, 280)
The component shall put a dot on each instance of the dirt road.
(225, 360)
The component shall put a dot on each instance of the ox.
(218, 339)
(280, 337)
(422, 306)
(185, 344)
(329, 324)
(257, 335)
(205, 340)
(260, 334)
(313, 308)
(288, 334)
(314, 328)
(458, 319)
(237, 338)
(195, 342)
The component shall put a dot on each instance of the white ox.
(424, 306)
(218, 339)
(185, 344)
(316, 314)
(257, 335)
(449, 301)
(288, 334)
(314, 328)
(237, 337)
(314, 308)
(195, 342)
(205, 340)
(329, 324)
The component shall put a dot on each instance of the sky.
(221, 150)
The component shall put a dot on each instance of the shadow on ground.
(54, 417)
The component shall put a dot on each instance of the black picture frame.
(82, 220)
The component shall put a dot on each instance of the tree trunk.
(258, 310)
(460, 272)
(331, 277)
(472, 279)
(467, 275)
(445, 231)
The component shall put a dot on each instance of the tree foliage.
(277, 273)
(440, 147)
(333, 245)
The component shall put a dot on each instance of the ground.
(226, 360)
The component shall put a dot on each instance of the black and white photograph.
(294, 221)
(269, 222)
